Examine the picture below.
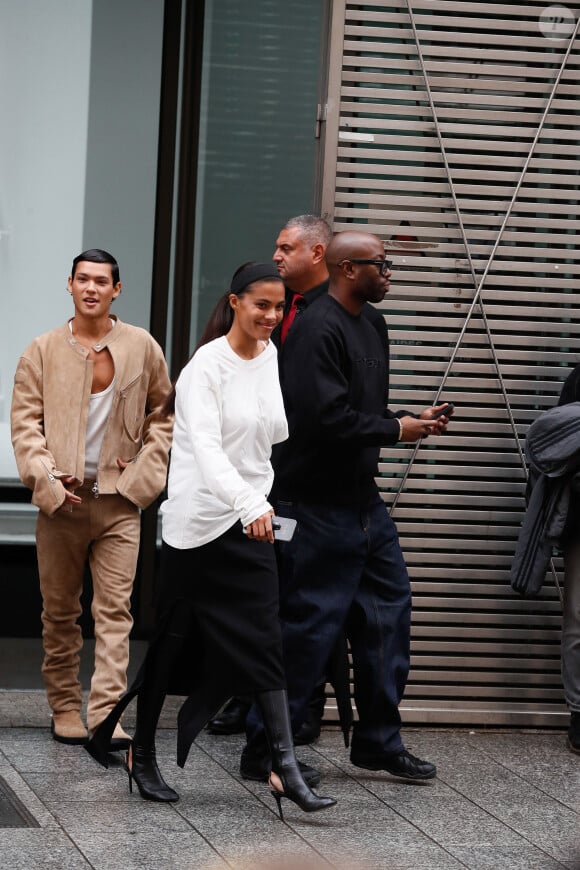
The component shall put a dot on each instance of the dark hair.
(96, 255)
(220, 320)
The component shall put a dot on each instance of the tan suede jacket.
(50, 404)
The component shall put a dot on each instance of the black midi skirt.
(230, 588)
(219, 604)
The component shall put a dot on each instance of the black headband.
(257, 272)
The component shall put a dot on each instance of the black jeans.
(344, 568)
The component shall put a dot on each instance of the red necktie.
(289, 319)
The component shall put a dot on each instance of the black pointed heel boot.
(274, 708)
(141, 761)
(142, 767)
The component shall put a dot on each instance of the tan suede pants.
(104, 530)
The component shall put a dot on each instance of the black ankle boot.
(142, 767)
(274, 709)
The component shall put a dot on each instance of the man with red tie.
(299, 257)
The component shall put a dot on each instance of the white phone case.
(284, 528)
(287, 527)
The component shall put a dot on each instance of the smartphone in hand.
(444, 411)
(283, 528)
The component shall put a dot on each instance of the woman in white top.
(220, 584)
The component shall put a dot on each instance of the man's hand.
(415, 428)
(70, 484)
(429, 414)
(261, 529)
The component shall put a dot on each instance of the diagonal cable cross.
(479, 285)
(477, 300)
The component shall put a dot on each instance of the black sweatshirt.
(335, 382)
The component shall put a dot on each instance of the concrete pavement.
(503, 800)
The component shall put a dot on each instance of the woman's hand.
(261, 529)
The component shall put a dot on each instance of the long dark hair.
(219, 323)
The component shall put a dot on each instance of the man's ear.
(117, 289)
(348, 269)
(318, 251)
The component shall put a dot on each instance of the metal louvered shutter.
(453, 132)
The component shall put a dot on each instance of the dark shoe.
(574, 732)
(68, 728)
(231, 720)
(309, 731)
(401, 764)
(142, 767)
(257, 769)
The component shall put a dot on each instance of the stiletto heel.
(141, 765)
(278, 798)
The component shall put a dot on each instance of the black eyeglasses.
(382, 265)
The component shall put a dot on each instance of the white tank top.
(100, 405)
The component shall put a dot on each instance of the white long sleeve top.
(228, 413)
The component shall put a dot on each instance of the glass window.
(257, 135)
(78, 162)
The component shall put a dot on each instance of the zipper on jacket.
(52, 479)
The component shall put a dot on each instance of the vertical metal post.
(168, 125)
(188, 162)
(332, 114)
(165, 170)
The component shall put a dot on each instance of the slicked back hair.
(96, 255)
(314, 230)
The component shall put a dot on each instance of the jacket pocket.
(133, 409)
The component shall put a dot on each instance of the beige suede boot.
(68, 728)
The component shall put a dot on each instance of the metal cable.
(477, 299)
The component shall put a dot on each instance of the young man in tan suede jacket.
(90, 445)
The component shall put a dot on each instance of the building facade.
(190, 131)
